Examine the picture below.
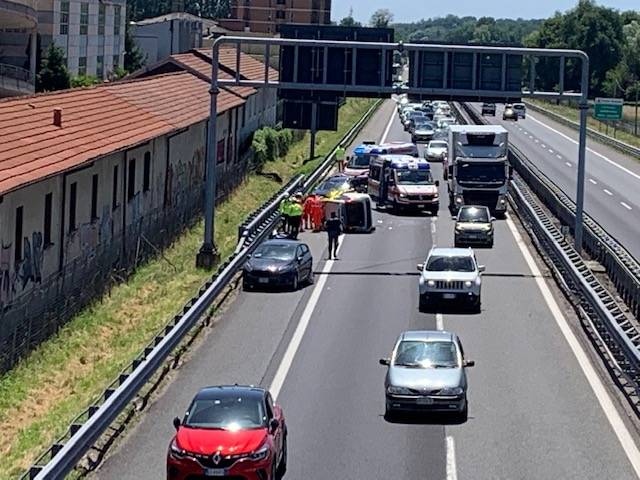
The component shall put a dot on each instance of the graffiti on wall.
(27, 270)
(184, 179)
(7, 283)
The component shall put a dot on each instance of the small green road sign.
(608, 108)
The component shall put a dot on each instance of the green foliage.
(118, 73)
(53, 74)
(349, 21)
(381, 18)
(270, 144)
(134, 59)
(84, 81)
(140, 9)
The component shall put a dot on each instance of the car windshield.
(481, 173)
(226, 413)
(360, 161)
(450, 264)
(414, 177)
(275, 251)
(473, 214)
(420, 354)
(437, 145)
(420, 124)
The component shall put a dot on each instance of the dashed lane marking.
(608, 192)
(568, 164)
(593, 181)
(625, 205)
(452, 469)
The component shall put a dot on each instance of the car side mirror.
(274, 424)
(385, 361)
(454, 218)
(437, 183)
(420, 267)
(482, 268)
(176, 423)
(469, 363)
(493, 219)
(300, 258)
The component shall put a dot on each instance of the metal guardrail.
(87, 428)
(600, 137)
(16, 73)
(623, 269)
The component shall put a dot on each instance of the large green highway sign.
(608, 108)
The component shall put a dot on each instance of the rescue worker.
(317, 213)
(284, 208)
(340, 157)
(307, 208)
(333, 226)
(295, 215)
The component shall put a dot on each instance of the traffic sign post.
(608, 108)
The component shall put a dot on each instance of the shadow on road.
(420, 418)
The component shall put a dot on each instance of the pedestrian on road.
(317, 213)
(340, 157)
(284, 208)
(333, 226)
(295, 216)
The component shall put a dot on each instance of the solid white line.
(599, 390)
(386, 130)
(568, 164)
(593, 181)
(606, 159)
(628, 207)
(439, 321)
(296, 339)
(608, 192)
(452, 470)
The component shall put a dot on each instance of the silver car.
(450, 274)
(474, 225)
(436, 150)
(427, 373)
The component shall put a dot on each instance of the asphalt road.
(533, 413)
(612, 187)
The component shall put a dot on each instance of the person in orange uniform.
(306, 212)
(317, 214)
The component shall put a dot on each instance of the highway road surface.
(538, 408)
(612, 187)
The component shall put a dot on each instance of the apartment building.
(91, 33)
(264, 16)
(18, 27)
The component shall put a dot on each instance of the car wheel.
(388, 411)
(274, 470)
(423, 303)
(311, 277)
(477, 304)
(464, 414)
(282, 465)
(490, 244)
(246, 285)
(294, 283)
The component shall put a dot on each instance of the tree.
(134, 58)
(349, 21)
(381, 18)
(84, 81)
(53, 74)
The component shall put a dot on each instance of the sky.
(414, 10)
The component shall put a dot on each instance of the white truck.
(477, 168)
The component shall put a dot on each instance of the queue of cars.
(512, 111)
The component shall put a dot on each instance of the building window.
(73, 199)
(94, 197)
(84, 18)
(48, 205)
(114, 192)
(131, 179)
(102, 11)
(64, 18)
(280, 14)
(18, 235)
(117, 12)
(82, 65)
(146, 173)
(220, 152)
(100, 66)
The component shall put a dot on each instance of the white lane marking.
(593, 181)
(568, 164)
(543, 145)
(620, 429)
(386, 130)
(296, 339)
(452, 470)
(559, 156)
(628, 207)
(536, 140)
(439, 321)
(434, 231)
(608, 192)
(606, 159)
(551, 151)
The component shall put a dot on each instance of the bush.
(84, 81)
(269, 144)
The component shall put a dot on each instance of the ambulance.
(402, 182)
(358, 164)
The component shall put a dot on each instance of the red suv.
(233, 432)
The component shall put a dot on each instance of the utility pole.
(314, 129)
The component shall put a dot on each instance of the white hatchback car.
(450, 274)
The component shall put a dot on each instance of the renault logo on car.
(216, 458)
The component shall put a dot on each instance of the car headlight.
(176, 451)
(458, 228)
(468, 284)
(260, 454)
(451, 391)
(431, 283)
(436, 195)
(402, 195)
(287, 268)
(398, 390)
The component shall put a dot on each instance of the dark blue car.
(279, 263)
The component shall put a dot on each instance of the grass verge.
(42, 394)
(572, 113)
